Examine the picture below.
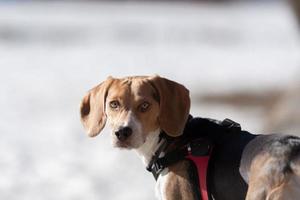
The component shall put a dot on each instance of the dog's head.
(134, 107)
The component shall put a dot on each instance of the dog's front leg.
(173, 183)
(160, 189)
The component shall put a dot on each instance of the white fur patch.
(146, 152)
(148, 149)
(129, 120)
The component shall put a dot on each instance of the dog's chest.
(161, 183)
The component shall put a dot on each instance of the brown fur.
(178, 183)
(174, 103)
(268, 181)
(92, 109)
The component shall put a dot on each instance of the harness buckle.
(231, 125)
(158, 166)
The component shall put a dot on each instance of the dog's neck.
(148, 149)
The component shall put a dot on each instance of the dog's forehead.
(140, 87)
(137, 87)
(118, 88)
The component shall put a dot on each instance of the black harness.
(187, 146)
(197, 147)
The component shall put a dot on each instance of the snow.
(52, 53)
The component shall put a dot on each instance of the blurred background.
(240, 59)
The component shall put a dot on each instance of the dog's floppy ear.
(174, 103)
(92, 108)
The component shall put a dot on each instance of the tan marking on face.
(130, 102)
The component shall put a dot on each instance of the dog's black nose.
(123, 133)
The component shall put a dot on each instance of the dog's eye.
(114, 104)
(144, 106)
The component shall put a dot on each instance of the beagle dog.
(244, 166)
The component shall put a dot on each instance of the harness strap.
(201, 163)
(198, 151)
(156, 166)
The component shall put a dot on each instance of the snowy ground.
(51, 53)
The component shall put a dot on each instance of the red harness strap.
(201, 163)
(198, 151)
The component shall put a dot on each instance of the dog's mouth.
(127, 144)
(122, 145)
